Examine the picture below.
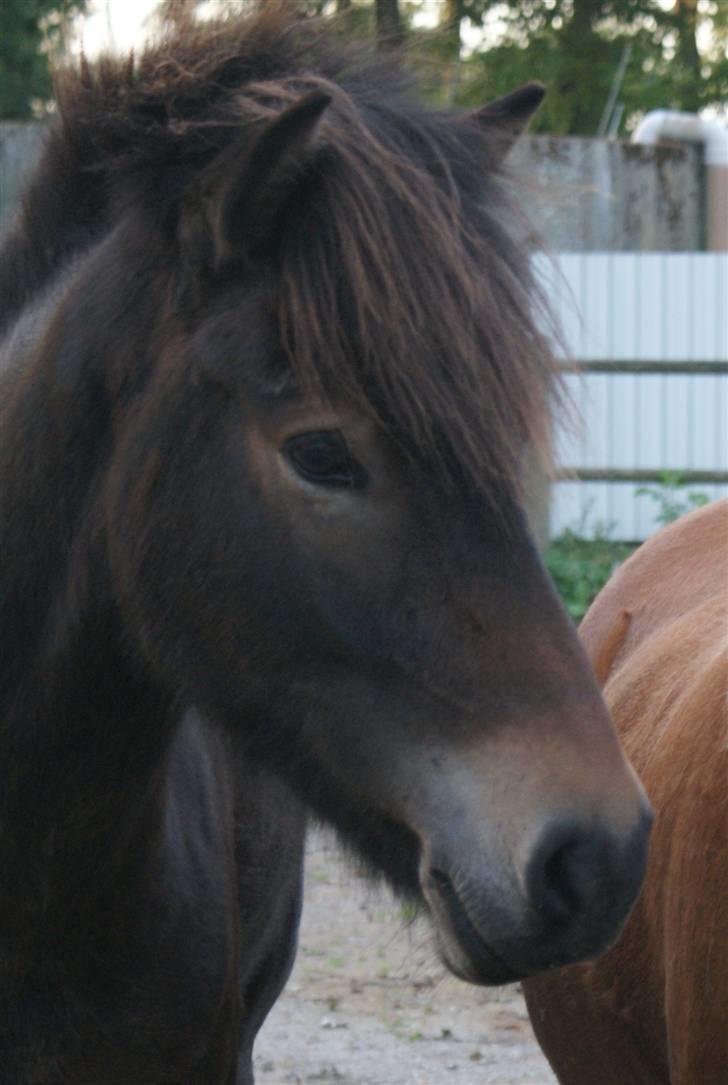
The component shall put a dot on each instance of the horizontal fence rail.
(614, 366)
(641, 476)
(650, 335)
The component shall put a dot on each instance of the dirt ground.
(369, 1004)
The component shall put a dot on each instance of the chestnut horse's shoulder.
(668, 700)
(691, 555)
(653, 1010)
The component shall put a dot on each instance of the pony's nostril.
(440, 879)
(560, 897)
(565, 872)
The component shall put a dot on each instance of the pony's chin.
(460, 946)
(472, 959)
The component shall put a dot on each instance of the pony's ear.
(233, 208)
(505, 119)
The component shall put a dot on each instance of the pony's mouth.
(461, 946)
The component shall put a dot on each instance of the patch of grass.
(580, 566)
(581, 560)
(408, 912)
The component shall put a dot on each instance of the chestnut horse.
(272, 366)
(654, 1010)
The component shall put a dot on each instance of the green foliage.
(582, 560)
(675, 54)
(671, 499)
(30, 31)
(580, 566)
(575, 48)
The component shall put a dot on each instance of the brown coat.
(654, 1010)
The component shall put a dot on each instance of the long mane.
(400, 280)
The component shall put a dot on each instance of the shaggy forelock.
(400, 284)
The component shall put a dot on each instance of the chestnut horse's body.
(654, 1010)
(271, 372)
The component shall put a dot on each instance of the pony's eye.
(323, 458)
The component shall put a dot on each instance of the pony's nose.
(576, 870)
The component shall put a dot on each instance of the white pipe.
(663, 124)
(669, 124)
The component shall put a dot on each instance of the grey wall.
(19, 144)
(606, 196)
(583, 194)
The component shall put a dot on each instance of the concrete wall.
(589, 195)
(19, 144)
(582, 194)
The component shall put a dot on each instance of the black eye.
(323, 458)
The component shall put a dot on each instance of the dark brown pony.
(272, 367)
(654, 1010)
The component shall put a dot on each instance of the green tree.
(30, 32)
(380, 18)
(676, 57)
(390, 31)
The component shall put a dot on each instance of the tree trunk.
(177, 12)
(685, 13)
(453, 17)
(389, 24)
(582, 47)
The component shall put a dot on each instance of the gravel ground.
(368, 1003)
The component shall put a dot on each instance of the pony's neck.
(84, 733)
(83, 751)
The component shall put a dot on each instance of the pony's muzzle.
(565, 900)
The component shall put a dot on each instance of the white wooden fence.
(651, 334)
